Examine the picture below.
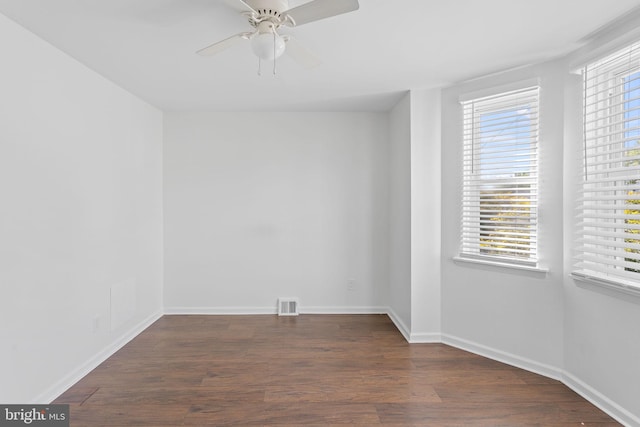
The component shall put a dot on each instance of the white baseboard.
(601, 401)
(404, 330)
(342, 310)
(221, 311)
(77, 374)
(425, 338)
(504, 357)
(273, 310)
(412, 337)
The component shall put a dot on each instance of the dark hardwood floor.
(311, 370)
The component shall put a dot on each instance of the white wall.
(509, 314)
(399, 298)
(602, 328)
(425, 215)
(414, 212)
(80, 217)
(263, 205)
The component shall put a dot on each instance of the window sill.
(611, 285)
(535, 269)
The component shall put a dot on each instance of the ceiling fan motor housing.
(269, 8)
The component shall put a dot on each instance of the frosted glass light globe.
(266, 44)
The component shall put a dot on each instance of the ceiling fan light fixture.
(268, 46)
(267, 17)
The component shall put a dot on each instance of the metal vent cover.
(288, 306)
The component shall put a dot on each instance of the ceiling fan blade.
(223, 44)
(320, 9)
(240, 6)
(301, 54)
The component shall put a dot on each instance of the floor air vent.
(287, 306)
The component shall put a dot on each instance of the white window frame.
(603, 244)
(515, 248)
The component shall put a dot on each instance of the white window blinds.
(500, 177)
(608, 243)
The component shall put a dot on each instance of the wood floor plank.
(508, 393)
(480, 414)
(123, 415)
(78, 395)
(311, 370)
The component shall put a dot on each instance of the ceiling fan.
(267, 17)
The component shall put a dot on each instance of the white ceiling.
(370, 56)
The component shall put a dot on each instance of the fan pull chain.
(274, 53)
(274, 57)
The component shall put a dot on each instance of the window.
(500, 178)
(608, 240)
